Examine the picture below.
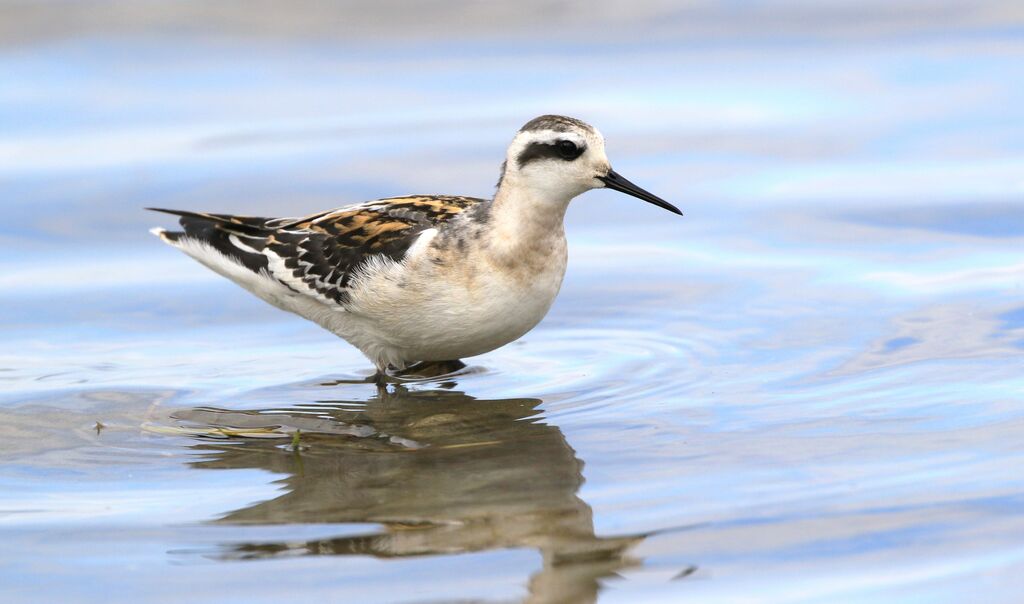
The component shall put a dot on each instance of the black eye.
(568, 150)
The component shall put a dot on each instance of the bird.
(421, 279)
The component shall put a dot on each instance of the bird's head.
(560, 157)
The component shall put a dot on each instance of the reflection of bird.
(443, 473)
(427, 277)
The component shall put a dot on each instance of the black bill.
(617, 183)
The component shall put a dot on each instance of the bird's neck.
(526, 222)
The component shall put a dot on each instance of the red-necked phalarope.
(425, 277)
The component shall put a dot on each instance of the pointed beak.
(617, 183)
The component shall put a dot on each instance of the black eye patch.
(563, 149)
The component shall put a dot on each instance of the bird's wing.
(318, 255)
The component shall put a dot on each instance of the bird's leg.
(380, 377)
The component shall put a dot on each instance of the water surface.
(808, 389)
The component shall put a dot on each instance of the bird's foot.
(429, 369)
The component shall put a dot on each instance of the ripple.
(576, 369)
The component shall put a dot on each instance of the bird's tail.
(239, 238)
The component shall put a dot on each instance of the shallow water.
(808, 389)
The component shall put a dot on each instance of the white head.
(559, 157)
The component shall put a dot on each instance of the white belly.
(441, 305)
(439, 315)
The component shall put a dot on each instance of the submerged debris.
(297, 446)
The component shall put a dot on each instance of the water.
(808, 389)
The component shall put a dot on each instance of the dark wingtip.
(165, 211)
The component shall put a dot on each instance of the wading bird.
(423, 278)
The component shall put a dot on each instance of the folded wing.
(318, 255)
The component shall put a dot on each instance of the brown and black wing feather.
(321, 253)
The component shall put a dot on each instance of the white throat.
(527, 221)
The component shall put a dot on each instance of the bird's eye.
(568, 150)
